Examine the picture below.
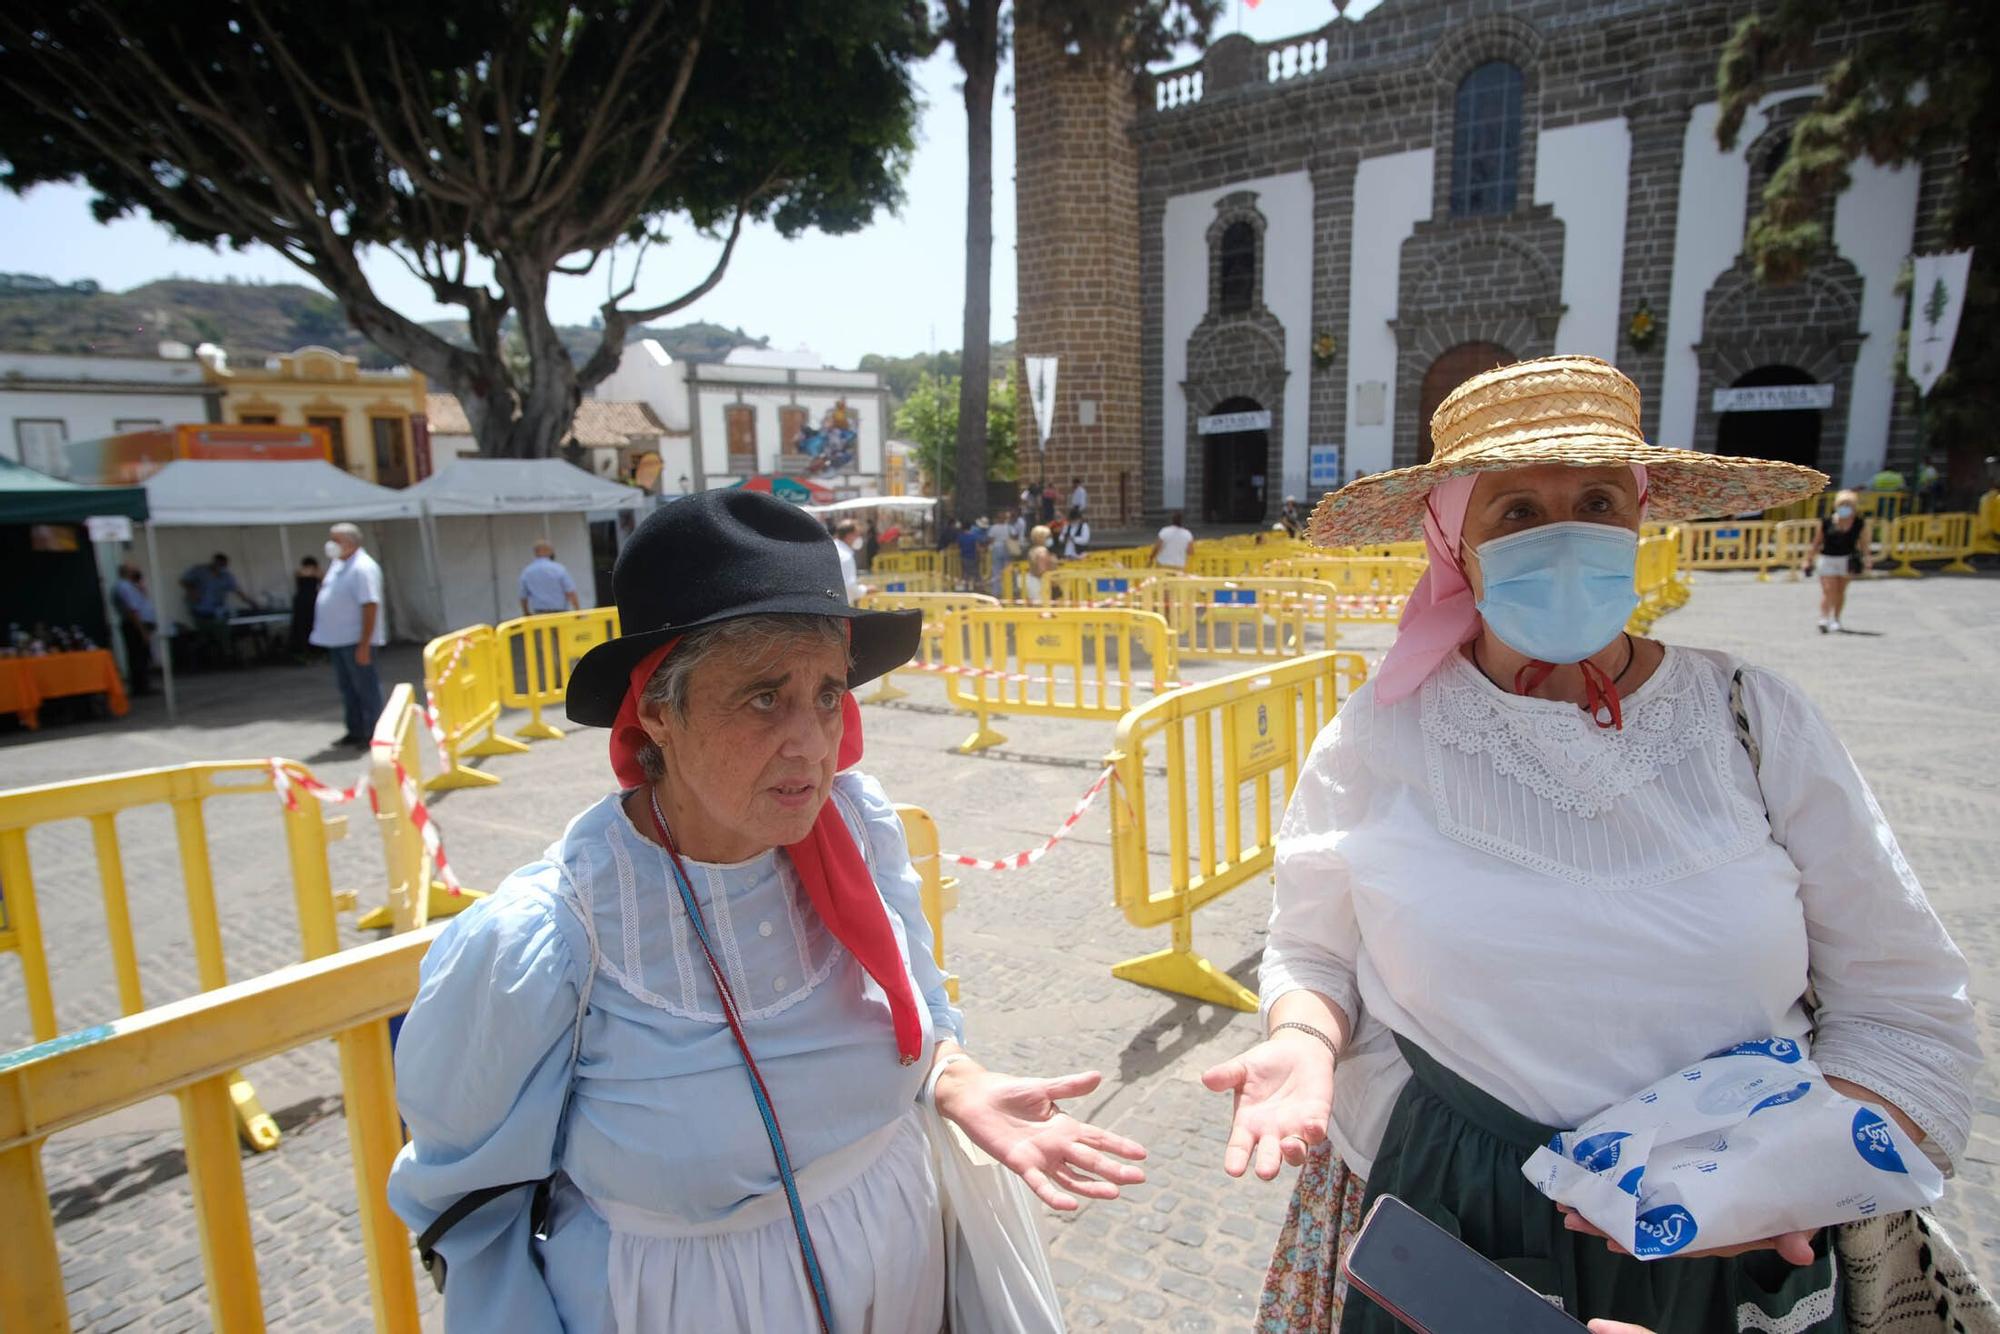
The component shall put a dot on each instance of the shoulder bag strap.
(1745, 736)
(761, 1095)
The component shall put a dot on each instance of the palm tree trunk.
(980, 58)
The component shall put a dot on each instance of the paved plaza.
(1911, 690)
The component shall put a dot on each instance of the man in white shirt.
(348, 622)
(1078, 497)
(847, 537)
(545, 584)
(1171, 548)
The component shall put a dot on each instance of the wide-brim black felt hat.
(720, 556)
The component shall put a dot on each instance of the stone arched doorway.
(1236, 462)
(1789, 434)
(1454, 366)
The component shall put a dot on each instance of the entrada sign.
(1222, 423)
(1774, 398)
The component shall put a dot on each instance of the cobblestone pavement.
(1912, 693)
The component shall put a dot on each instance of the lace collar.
(1552, 747)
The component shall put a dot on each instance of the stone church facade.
(1274, 262)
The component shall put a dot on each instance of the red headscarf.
(831, 868)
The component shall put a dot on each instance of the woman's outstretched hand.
(1284, 1095)
(1793, 1246)
(1017, 1121)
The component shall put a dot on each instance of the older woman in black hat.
(675, 1066)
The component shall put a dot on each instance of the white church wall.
(1391, 195)
(1583, 172)
(1874, 227)
(1708, 233)
(1286, 201)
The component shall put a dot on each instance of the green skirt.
(1454, 1153)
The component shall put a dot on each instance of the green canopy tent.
(49, 584)
(28, 496)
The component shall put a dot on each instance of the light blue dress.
(645, 1105)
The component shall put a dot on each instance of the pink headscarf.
(1439, 615)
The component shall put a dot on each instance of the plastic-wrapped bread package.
(1739, 1147)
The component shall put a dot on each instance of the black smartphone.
(1436, 1284)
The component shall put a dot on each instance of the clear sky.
(896, 287)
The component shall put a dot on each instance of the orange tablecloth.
(26, 682)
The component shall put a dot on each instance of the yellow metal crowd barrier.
(945, 564)
(1250, 618)
(1986, 525)
(930, 649)
(1129, 558)
(1066, 663)
(395, 776)
(940, 891)
(1762, 545)
(462, 675)
(533, 656)
(1215, 560)
(189, 1049)
(183, 789)
(1945, 537)
(1370, 588)
(1657, 576)
(1233, 750)
(905, 581)
(1078, 585)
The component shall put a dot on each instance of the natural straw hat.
(1571, 410)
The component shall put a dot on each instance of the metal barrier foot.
(1185, 973)
(460, 777)
(984, 739)
(253, 1123)
(498, 745)
(538, 731)
(444, 903)
(884, 692)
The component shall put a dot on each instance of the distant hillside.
(252, 321)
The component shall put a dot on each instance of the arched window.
(1236, 266)
(1486, 141)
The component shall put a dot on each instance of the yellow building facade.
(374, 419)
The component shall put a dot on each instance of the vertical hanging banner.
(1937, 295)
(1042, 394)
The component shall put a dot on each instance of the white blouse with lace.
(1562, 914)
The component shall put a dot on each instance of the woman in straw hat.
(677, 1076)
(1529, 870)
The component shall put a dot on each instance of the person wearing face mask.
(348, 622)
(1534, 866)
(1840, 551)
(847, 538)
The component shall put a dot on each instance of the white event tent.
(482, 518)
(264, 515)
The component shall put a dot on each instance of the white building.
(761, 411)
(48, 399)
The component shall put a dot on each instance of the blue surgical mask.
(1843, 512)
(1561, 592)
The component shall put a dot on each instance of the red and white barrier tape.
(1022, 860)
(284, 782)
(429, 712)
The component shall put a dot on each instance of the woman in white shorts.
(1840, 550)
